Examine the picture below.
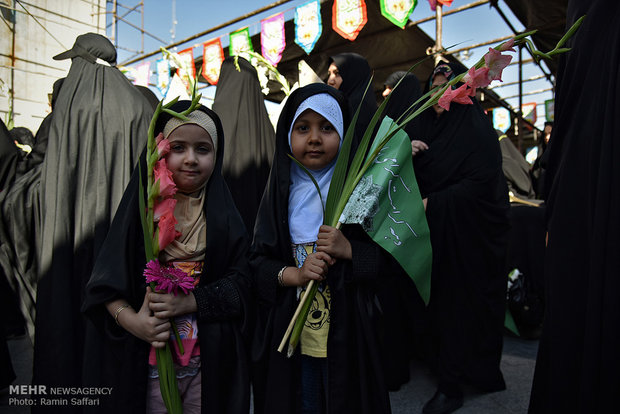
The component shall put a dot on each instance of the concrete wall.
(31, 33)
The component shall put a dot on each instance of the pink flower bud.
(165, 207)
(163, 176)
(476, 78)
(159, 137)
(167, 232)
(460, 95)
(496, 62)
(163, 147)
(506, 47)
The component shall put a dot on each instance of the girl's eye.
(203, 150)
(302, 127)
(328, 127)
(177, 147)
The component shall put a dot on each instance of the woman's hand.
(417, 146)
(168, 305)
(334, 243)
(142, 324)
(314, 268)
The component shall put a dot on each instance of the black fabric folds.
(461, 175)
(41, 137)
(96, 134)
(578, 361)
(359, 376)
(222, 296)
(240, 105)
(355, 72)
(10, 156)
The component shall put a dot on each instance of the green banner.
(387, 204)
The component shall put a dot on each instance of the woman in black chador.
(578, 364)
(401, 99)
(214, 376)
(240, 104)
(350, 74)
(460, 176)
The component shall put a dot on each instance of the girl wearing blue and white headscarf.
(339, 364)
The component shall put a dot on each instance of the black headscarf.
(578, 360)
(96, 134)
(42, 135)
(251, 139)
(359, 375)
(407, 92)
(461, 175)
(355, 72)
(222, 297)
(10, 156)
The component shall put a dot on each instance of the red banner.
(349, 17)
(212, 58)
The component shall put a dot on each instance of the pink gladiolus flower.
(167, 233)
(167, 187)
(506, 47)
(168, 279)
(460, 95)
(158, 138)
(476, 78)
(163, 147)
(496, 62)
(164, 208)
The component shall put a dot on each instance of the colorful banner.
(162, 67)
(433, 3)
(187, 71)
(549, 110)
(501, 119)
(349, 17)
(142, 74)
(528, 111)
(212, 58)
(272, 38)
(240, 42)
(398, 11)
(308, 25)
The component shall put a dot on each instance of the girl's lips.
(189, 172)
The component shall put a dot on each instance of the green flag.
(387, 204)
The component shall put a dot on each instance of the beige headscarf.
(192, 225)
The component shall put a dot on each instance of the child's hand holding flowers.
(334, 243)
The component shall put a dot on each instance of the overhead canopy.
(548, 17)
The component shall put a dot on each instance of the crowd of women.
(250, 237)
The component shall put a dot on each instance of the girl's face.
(334, 80)
(314, 140)
(191, 158)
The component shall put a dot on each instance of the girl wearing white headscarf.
(339, 364)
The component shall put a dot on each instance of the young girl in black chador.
(339, 366)
(212, 373)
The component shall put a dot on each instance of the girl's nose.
(190, 157)
(315, 136)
